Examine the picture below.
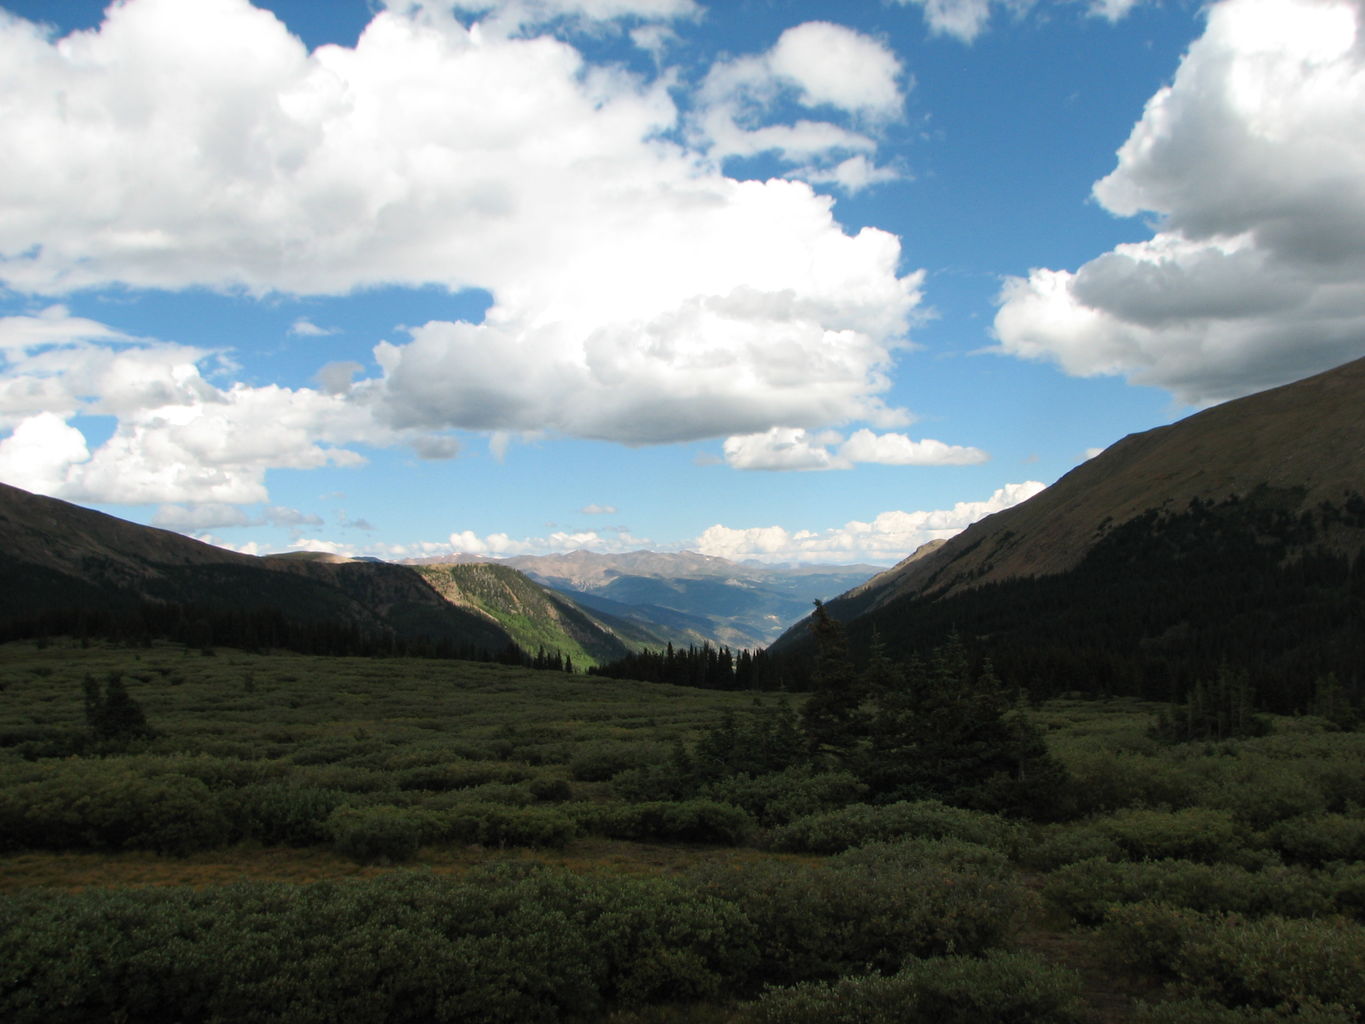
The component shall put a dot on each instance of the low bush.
(1104, 782)
(1200, 1011)
(504, 947)
(780, 797)
(1085, 891)
(1320, 839)
(687, 821)
(1195, 833)
(954, 854)
(819, 922)
(859, 824)
(380, 835)
(457, 775)
(278, 813)
(598, 762)
(100, 805)
(1148, 936)
(1263, 792)
(488, 824)
(1235, 961)
(550, 790)
(1055, 846)
(1014, 987)
(1270, 961)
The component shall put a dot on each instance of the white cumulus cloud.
(639, 294)
(1253, 163)
(790, 448)
(825, 68)
(889, 537)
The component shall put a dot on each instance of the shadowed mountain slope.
(1231, 538)
(68, 567)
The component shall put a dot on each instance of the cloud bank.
(1253, 164)
(887, 538)
(641, 295)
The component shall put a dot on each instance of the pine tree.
(831, 718)
(114, 717)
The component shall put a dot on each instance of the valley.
(1095, 760)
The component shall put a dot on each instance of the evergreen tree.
(114, 716)
(832, 718)
(949, 733)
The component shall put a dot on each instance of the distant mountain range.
(67, 569)
(684, 597)
(1234, 538)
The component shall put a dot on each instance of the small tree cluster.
(113, 716)
(938, 728)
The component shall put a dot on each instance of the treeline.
(1163, 605)
(940, 728)
(707, 667)
(258, 630)
(541, 661)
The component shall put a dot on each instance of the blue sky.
(796, 281)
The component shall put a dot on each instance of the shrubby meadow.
(214, 835)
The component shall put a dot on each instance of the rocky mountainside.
(537, 618)
(1233, 537)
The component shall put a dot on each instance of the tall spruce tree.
(832, 718)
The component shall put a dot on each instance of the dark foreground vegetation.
(247, 837)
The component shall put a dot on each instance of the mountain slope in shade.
(1307, 438)
(1233, 540)
(59, 559)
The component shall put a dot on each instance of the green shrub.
(488, 824)
(859, 824)
(505, 946)
(954, 854)
(104, 805)
(1055, 846)
(1199, 1011)
(780, 797)
(598, 762)
(378, 834)
(278, 813)
(820, 922)
(1104, 782)
(1346, 883)
(1195, 833)
(507, 794)
(551, 791)
(1014, 987)
(1148, 936)
(689, 821)
(1085, 891)
(1264, 792)
(1272, 960)
(456, 775)
(1321, 838)
(1264, 962)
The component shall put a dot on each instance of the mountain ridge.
(1232, 541)
(1214, 454)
